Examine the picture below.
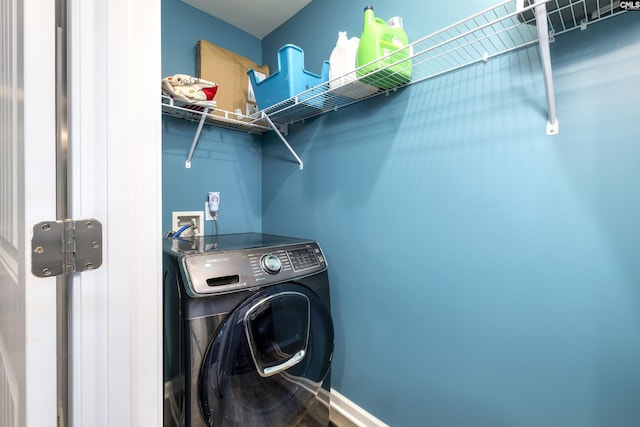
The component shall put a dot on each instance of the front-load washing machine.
(248, 335)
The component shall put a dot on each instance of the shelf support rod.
(545, 56)
(195, 138)
(282, 138)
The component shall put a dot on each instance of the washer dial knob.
(271, 264)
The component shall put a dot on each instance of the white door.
(116, 355)
(27, 196)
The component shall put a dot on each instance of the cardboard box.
(229, 70)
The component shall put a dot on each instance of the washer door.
(267, 362)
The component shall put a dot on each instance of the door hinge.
(65, 247)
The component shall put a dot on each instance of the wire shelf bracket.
(283, 139)
(196, 137)
(542, 26)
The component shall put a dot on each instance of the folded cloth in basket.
(190, 90)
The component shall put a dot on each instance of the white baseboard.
(352, 412)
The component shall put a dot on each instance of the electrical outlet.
(211, 206)
(181, 219)
(207, 212)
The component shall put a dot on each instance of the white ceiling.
(258, 18)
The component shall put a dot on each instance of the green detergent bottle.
(378, 40)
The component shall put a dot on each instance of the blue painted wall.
(483, 273)
(184, 25)
(226, 161)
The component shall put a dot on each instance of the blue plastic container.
(290, 80)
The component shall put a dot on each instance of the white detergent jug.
(343, 58)
(342, 76)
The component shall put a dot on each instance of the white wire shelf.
(478, 38)
(567, 15)
(503, 28)
(257, 124)
(216, 117)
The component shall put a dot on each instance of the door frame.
(115, 151)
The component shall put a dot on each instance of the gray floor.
(337, 420)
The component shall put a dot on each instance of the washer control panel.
(230, 271)
(301, 259)
(287, 261)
